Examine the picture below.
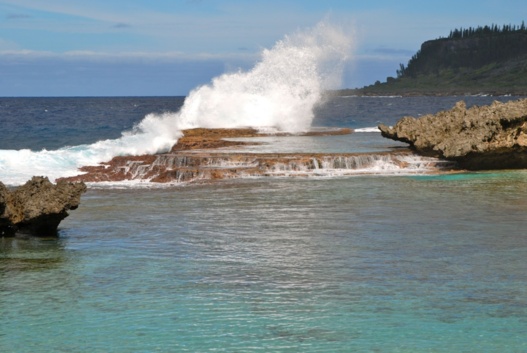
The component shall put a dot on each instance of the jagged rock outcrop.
(37, 207)
(487, 137)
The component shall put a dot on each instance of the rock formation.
(196, 157)
(479, 138)
(201, 138)
(37, 207)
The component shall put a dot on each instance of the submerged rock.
(487, 137)
(37, 207)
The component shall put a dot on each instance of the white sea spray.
(279, 92)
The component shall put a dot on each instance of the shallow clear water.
(428, 263)
(353, 264)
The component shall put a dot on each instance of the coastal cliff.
(488, 59)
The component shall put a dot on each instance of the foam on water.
(367, 129)
(279, 92)
(149, 136)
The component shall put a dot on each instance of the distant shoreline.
(362, 92)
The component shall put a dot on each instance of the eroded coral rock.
(487, 137)
(37, 207)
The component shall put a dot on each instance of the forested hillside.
(489, 59)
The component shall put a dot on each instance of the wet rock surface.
(478, 138)
(37, 207)
(196, 158)
(201, 138)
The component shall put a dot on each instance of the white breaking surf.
(279, 92)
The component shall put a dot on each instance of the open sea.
(367, 263)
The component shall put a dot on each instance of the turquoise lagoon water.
(418, 263)
(360, 264)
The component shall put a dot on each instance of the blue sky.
(168, 47)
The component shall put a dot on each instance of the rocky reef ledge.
(478, 138)
(37, 207)
(204, 155)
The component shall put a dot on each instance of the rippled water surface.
(386, 264)
(424, 263)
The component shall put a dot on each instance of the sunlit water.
(432, 263)
(361, 264)
(385, 263)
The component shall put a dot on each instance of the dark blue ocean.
(368, 263)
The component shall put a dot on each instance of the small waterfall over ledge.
(191, 167)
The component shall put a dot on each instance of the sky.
(169, 47)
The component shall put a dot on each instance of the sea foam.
(279, 92)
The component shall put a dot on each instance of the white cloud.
(85, 73)
(251, 25)
(70, 8)
(6, 45)
(86, 55)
